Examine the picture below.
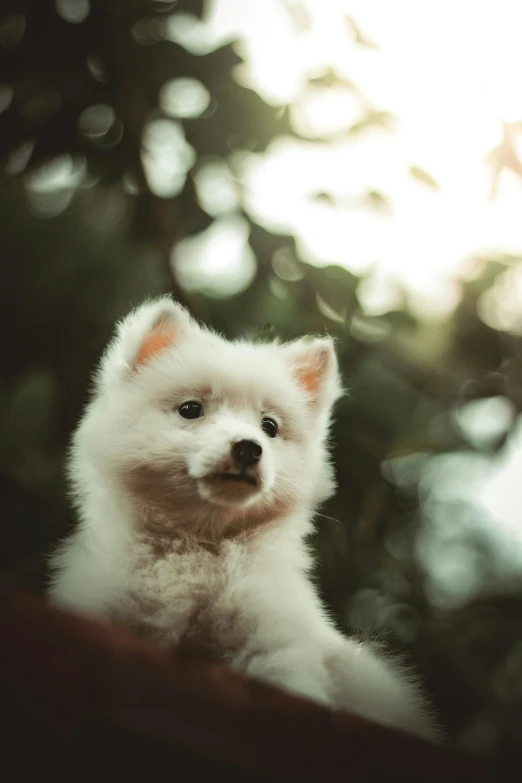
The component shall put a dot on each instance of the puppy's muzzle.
(245, 458)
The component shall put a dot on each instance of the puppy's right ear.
(141, 336)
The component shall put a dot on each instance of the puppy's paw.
(293, 670)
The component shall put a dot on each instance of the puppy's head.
(204, 434)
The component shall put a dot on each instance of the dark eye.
(269, 427)
(191, 410)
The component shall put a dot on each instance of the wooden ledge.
(76, 692)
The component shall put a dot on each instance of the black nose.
(246, 453)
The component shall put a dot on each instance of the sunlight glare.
(218, 262)
(449, 83)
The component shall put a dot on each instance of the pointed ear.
(163, 333)
(314, 366)
(142, 335)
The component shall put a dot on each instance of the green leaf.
(423, 176)
(373, 118)
(377, 201)
(361, 38)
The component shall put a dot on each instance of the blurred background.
(292, 166)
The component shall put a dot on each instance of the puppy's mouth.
(238, 478)
(235, 488)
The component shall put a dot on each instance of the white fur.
(222, 560)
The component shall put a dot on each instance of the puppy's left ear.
(314, 365)
(143, 335)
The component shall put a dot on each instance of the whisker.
(331, 519)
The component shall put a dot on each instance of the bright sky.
(448, 69)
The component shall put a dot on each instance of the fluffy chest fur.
(188, 596)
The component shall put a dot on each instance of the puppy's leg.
(364, 682)
(297, 669)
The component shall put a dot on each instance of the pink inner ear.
(309, 378)
(158, 340)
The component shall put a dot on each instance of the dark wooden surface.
(79, 698)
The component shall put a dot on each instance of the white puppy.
(197, 469)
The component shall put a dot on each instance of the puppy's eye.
(191, 410)
(269, 427)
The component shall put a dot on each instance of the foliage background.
(87, 232)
